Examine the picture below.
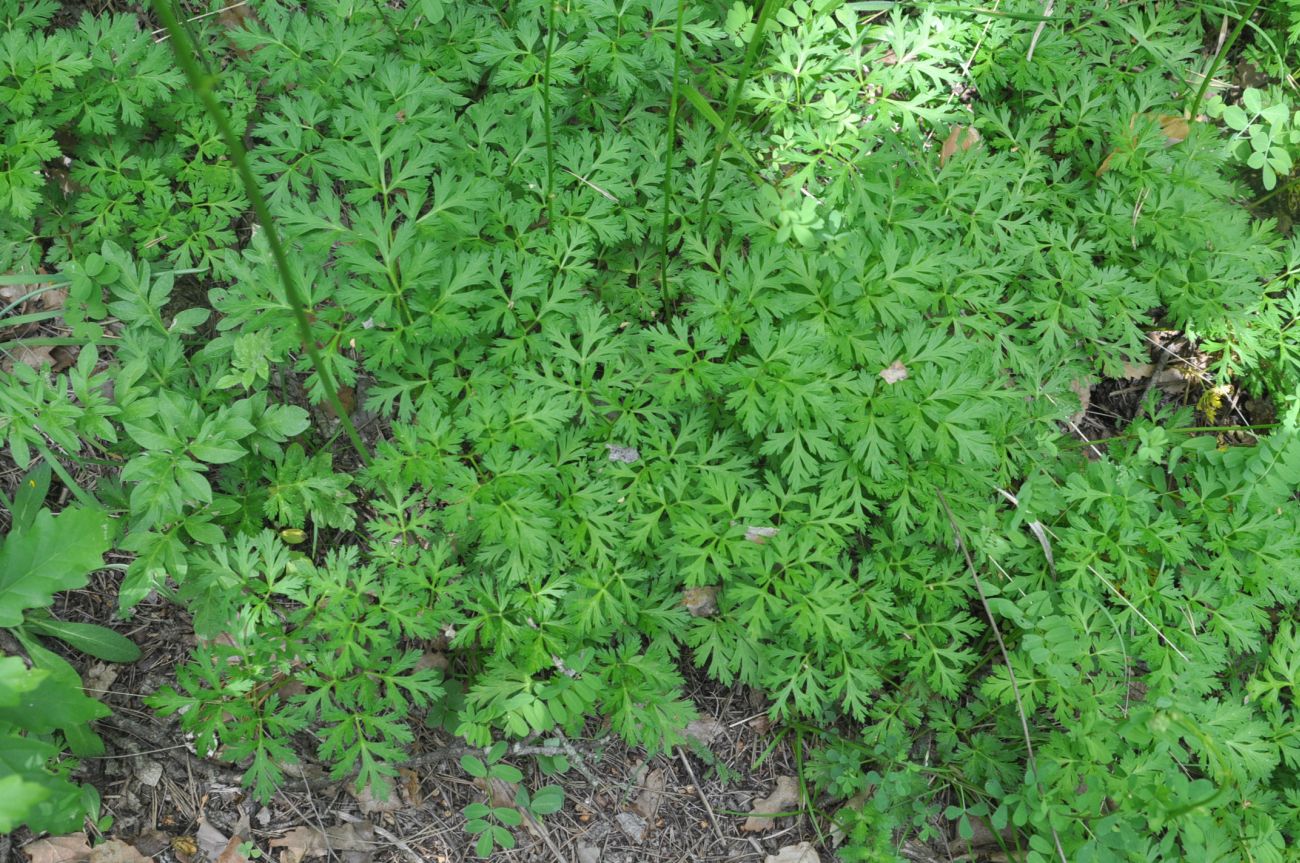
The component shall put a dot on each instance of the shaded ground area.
(620, 805)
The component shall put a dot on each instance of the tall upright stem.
(203, 85)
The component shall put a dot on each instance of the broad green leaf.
(30, 495)
(508, 816)
(1235, 118)
(281, 422)
(98, 641)
(19, 798)
(547, 800)
(507, 773)
(56, 553)
(216, 451)
(55, 702)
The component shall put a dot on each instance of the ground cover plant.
(641, 335)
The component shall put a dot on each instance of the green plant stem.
(202, 84)
(57, 466)
(733, 101)
(33, 318)
(1186, 430)
(52, 341)
(1218, 58)
(546, 120)
(672, 146)
(1031, 758)
(1265, 198)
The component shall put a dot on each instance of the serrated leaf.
(281, 422)
(56, 553)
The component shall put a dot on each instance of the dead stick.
(690, 771)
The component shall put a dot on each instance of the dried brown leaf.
(232, 854)
(117, 851)
(1081, 387)
(1138, 370)
(1175, 128)
(652, 794)
(236, 15)
(502, 793)
(409, 783)
(801, 853)
(704, 731)
(59, 849)
(623, 454)
(369, 804)
(53, 299)
(35, 356)
(151, 843)
(63, 357)
(210, 840)
(355, 841)
(784, 797)
(895, 373)
(633, 825)
(147, 771)
(853, 804)
(701, 601)
(961, 138)
(432, 659)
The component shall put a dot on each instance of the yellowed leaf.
(185, 849)
(784, 797)
(1176, 128)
